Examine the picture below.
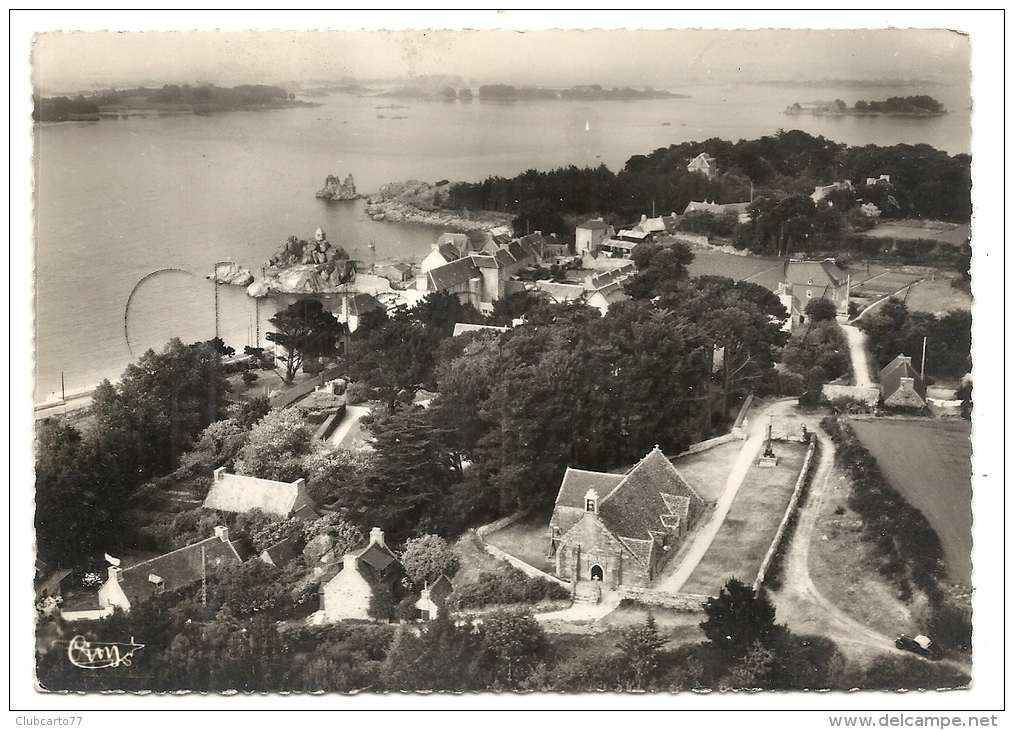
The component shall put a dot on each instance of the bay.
(121, 198)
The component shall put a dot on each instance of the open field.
(527, 539)
(716, 263)
(937, 296)
(740, 545)
(708, 471)
(929, 463)
(953, 233)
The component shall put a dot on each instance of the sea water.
(120, 199)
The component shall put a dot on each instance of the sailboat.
(587, 127)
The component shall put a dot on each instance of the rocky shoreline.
(421, 202)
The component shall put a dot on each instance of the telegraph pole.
(204, 580)
(922, 367)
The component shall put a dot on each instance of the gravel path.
(857, 349)
(706, 535)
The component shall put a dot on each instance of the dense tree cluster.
(86, 481)
(783, 168)
(892, 330)
(62, 109)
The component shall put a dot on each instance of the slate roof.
(504, 258)
(561, 292)
(362, 303)
(900, 367)
(484, 261)
(377, 557)
(577, 482)
(453, 274)
(237, 493)
(633, 509)
(820, 273)
(457, 241)
(280, 553)
(593, 225)
(179, 568)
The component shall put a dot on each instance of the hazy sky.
(65, 61)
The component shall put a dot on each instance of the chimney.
(907, 384)
(349, 562)
(377, 536)
(222, 533)
(424, 595)
(219, 473)
(114, 573)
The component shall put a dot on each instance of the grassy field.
(929, 463)
(716, 263)
(740, 545)
(708, 471)
(937, 296)
(527, 539)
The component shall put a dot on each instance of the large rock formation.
(335, 189)
(230, 273)
(421, 202)
(301, 267)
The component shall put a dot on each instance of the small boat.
(666, 124)
(587, 126)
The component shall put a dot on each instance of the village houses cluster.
(607, 530)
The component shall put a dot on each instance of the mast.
(922, 367)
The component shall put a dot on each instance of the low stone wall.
(804, 474)
(742, 412)
(734, 435)
(690, 602)
(867, 396)
(499, 524)
(530, 570)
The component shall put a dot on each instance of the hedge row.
(909, 549)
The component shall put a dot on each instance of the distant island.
(170, 99)
(898, 106)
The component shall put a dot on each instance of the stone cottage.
(238, 493)
(621, 529)
(900, 384)
(361, 574)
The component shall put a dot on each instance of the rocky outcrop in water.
(305, 267)
(421, 202)
(336, 189)
(230, 273)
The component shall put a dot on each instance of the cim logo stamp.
(100, 654)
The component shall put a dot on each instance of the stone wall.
(530, 570)
(867, 396)
(690, 602)
(734, 435)
(793, 505)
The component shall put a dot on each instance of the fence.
(804, 475)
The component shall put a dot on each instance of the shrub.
(506, 585)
